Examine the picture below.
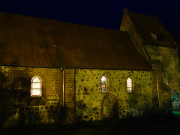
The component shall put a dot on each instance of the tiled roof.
(27, 41)
(151, 29)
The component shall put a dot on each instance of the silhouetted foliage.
(14, 94)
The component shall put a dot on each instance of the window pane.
(129, 85)
(103, 83)
(36, 92)
(103, 79)
(36, 79)
(103, 87)
(36, 85)
(129, 89)
(129, 80)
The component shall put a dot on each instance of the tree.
(14, 94)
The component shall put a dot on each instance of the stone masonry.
(91, 102)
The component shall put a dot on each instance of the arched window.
(103, 84)
(36, 86)
(129, 85)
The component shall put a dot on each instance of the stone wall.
(92, 104)
(169, 57)
(161, 91)
(83, 96)
(169, 76)
(162, 94)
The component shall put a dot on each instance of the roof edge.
(66, 67)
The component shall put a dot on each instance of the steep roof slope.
(151, 29)
(27, 41)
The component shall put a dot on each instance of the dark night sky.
(100, 13)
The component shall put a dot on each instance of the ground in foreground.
(160, 124)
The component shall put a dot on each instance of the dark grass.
(154, 124)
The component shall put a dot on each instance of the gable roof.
(27, 41)
(151, 30)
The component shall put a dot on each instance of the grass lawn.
(160, 124)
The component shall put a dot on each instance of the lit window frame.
(103, 84)
(40, 88)
(130, 85)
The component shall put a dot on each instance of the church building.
(72, 72)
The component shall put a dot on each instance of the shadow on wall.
(137, 105)
(20, 108)
(86, 113)
(109, 107)
(14, 86)
(45, 114)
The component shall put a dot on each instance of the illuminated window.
(103, 84)
(36, 86)
(129, 85)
